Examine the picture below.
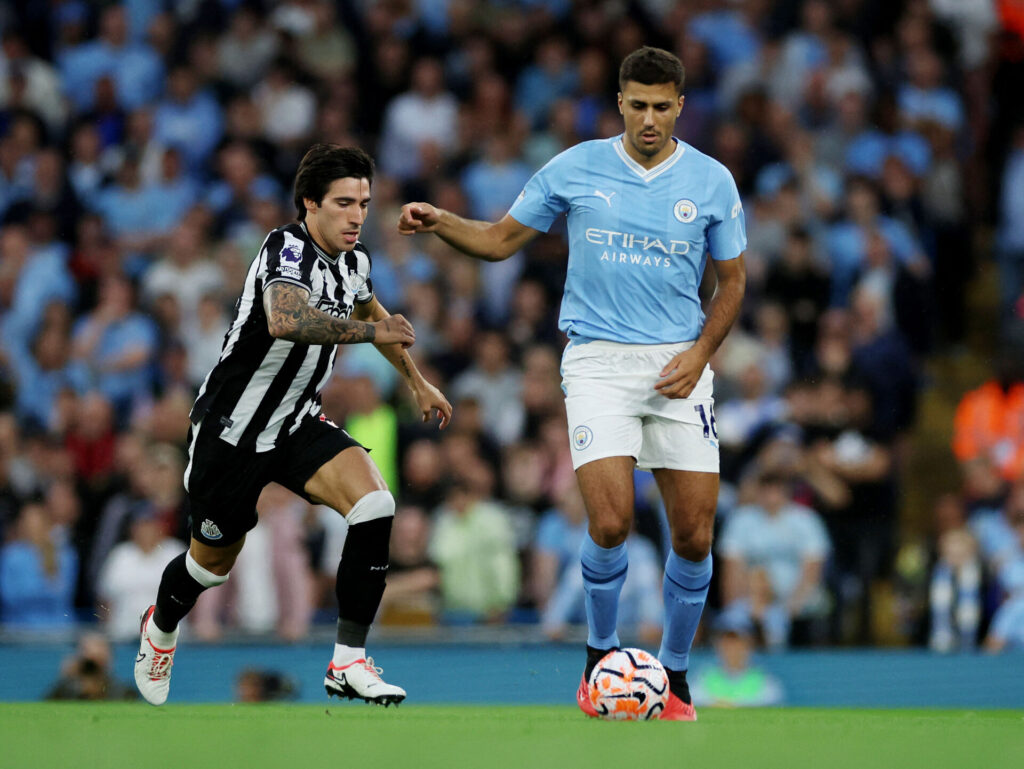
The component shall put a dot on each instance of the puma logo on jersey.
(606, 198)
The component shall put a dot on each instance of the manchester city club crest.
(582, 437)
(685, 210)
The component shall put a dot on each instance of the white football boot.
(361, 680)
(153, 665)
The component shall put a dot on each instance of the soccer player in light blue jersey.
(644, 213)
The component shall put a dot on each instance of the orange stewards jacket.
(990, 421)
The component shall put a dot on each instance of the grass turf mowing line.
(101, 735)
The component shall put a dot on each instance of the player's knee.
(370, 507)
(609, 531)
(692, 545)
(213, 568)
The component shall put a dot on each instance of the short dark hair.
(324, 163)
(652, 66)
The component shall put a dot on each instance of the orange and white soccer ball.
(628, 685)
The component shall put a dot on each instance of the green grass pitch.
(44, 735)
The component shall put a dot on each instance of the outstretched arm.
(428, 398)
(490, 241)
(680, 376)
(290, 317)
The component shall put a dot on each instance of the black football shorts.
(224, 481)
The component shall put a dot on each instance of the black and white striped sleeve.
(363, 265)
(289, 260)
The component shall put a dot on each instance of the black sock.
(593, 657)
(177, 595)
(361, 575)
(678, 686)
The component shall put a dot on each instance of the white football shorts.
(613, 409)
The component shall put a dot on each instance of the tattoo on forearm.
(290, 317)
(405, 367)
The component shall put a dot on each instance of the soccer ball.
(628, 685)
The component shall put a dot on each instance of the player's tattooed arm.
(290, 317)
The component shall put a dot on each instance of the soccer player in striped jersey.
(644, 212)
(258, 420)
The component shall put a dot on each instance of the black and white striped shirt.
(262, 388)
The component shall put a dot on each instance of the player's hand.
(418, 217)
(682, 373)
(431, 400)
(394, 329)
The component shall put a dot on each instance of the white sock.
(343, 655)
(160, 639)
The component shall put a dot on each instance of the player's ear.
(620, 102)
(310, 204)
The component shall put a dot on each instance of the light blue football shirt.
(638, 238)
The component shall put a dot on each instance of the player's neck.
(316, 237)
(648, 161)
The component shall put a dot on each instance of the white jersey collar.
(648, 173)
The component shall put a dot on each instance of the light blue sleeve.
(539, 204)
(727, 234)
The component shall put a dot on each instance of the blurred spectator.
(774, 555)
(989, 421)
(474, 548)
(38, 572)
(116, 343)
(492, 182)
(956, 593)
(35, 277)
(135, 68)
(373, 423)
(133, 212)
(551, 76)
(419, 125)
(493, 382)
(42, 373)
(246, 49)
(1007, 628)
(87, 674)
(28, 82)
(1011, 229)
(882, 364)
(848, 240)
(132, 572)
(254, 685)
(731, 681)
(993, 529)
(287, 108)
(327, 50)
(204, 338)
(188, 119)
(423, 475)
(185, 272)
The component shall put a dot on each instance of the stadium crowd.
(146, 149)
